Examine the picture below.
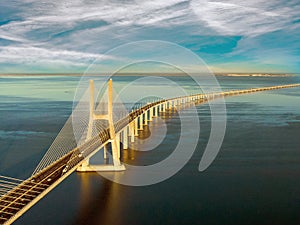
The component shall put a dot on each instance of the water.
(254, 179)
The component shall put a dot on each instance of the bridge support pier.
(169, 105)
(131, 131)
(156, 111)
(114, 138)
(151, 113)
(164, 106)
(141, 125)
(146, 118)
(136, 127)
(125, 138)
(118, 141)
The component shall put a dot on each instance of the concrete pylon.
(114, 138)
(156, 111)
(150, 114)
(125, 138)
(131, 131)
(141, 125)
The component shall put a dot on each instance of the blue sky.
(230, 36)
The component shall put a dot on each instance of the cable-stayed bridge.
(101, 127)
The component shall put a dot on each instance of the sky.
(66, 36)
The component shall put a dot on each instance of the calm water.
(254, 179)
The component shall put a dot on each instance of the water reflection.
(99, 200)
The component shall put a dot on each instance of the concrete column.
(141, 125)
(125, 138)
(170, 105)
(154, 111)
(136, 127)
(151, 113)
(146, 118)
(118, 145)
(131, 131)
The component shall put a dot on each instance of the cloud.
(12, 38)
(41, 20)
(277, 48)
(77, 31)
(249, 18)
(23, 55)
(66, 30)
(127, 13)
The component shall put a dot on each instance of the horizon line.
(145, 73)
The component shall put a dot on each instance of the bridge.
(101, 133)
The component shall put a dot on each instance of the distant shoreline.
(150, 74)
(256, 74)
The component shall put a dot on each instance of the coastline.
(147, 74)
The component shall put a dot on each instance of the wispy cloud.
(250, 18)
(67, 30)
(25, 55)
(79, 31)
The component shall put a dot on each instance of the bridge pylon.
(114, 138)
